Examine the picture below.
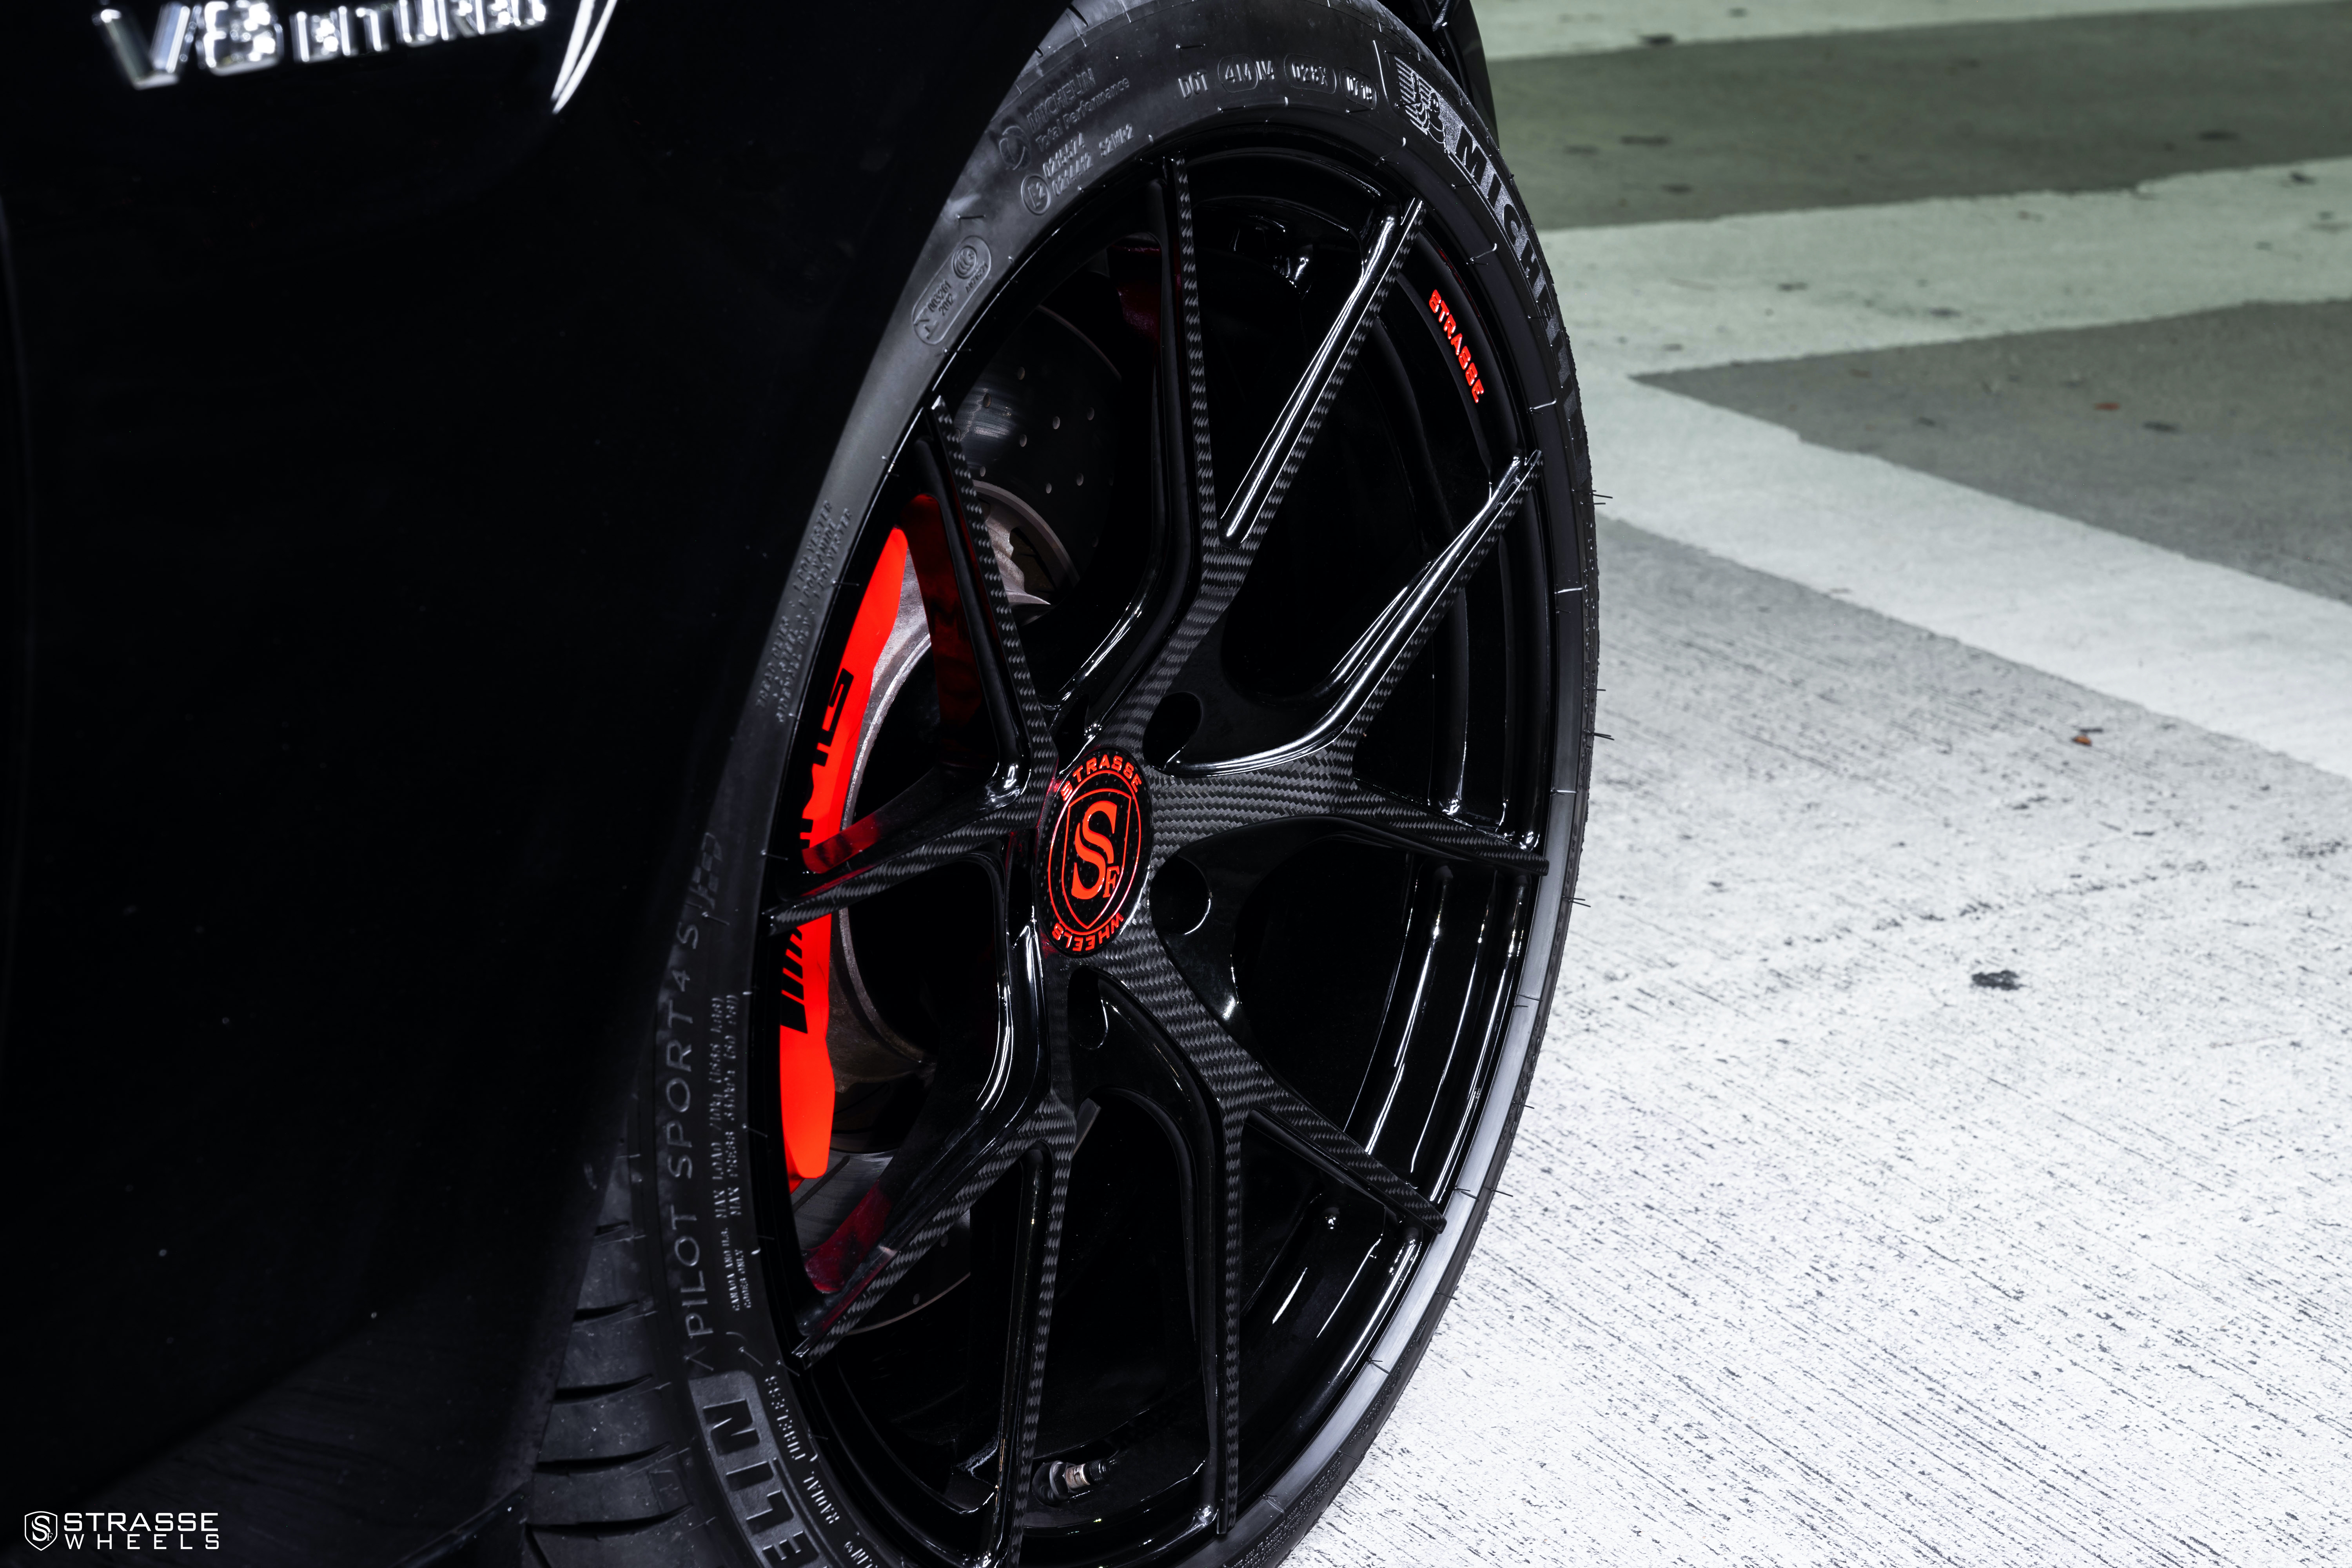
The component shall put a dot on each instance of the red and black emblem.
(1096, 840)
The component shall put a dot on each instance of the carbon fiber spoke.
(1044, 1197)
(1144, 1061)
(1370, 668)
(1318, 788)
(1186, 354)
(1210, 1059)
(975, 825)
(1244, 1099)
(1229, 542)
(953, 810)
(1241, 1087)
(1220, 1345)
(1267, 478)
(1310, 1133)
(1187, 810)
(1185, 470)
(936, 1199)
(1024, 729)
(1415, 826)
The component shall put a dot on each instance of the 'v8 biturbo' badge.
(1096, 841)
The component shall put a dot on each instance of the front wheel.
(1120, 944)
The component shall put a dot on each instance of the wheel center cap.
(1097, 841)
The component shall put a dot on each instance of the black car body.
(398, 474)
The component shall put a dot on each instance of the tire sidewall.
(1111, 84)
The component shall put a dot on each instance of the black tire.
(1351, 767)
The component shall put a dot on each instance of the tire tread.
(611, 1487)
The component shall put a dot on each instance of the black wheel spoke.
(1230, 539)
(1226, 1080)
(1184, 353)
(1240, 1087)
(1356, 688)
(903, 816)
(930, 1201)
(1412, 826)
(1192, 809)
(1369, 670)
(1267, 478)
(1151, 1064)
(971, 823)
(1021, 731)
(1044, 1199)
(1183, 476)
(1243, 1099)
(1319, 789)
(987, 1109)
(1309, 1134)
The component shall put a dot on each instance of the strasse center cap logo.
(1098, 839)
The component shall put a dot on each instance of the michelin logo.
(1435, 118)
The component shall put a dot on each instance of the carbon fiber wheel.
(1167, 916)
(1180, 764)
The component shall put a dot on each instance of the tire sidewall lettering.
(1083, 112)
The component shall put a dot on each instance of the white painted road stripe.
(1761, 285)
(2236, 654)
(1516, 30)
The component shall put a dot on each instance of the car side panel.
(413, 470)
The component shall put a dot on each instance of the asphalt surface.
(2068, 104)
(2223, 435)
(1940, 1153)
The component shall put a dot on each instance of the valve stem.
(1061, 1480)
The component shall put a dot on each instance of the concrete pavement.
(1941, 1150)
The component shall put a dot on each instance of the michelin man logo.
(1435, 118)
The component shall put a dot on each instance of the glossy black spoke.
(1413, 826)
(1240, 1087)
(1145, 1062)
(1229, 538)
(892, 1229)
(1021, 726)
(1267, 478)
(1372, 664)
(1043, 1203)
(1183, 466)
(1319, 789)
(973, 822)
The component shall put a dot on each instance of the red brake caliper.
(803, 1068)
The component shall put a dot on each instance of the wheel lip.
(871, 442)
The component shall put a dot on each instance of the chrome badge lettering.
(230, 38)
